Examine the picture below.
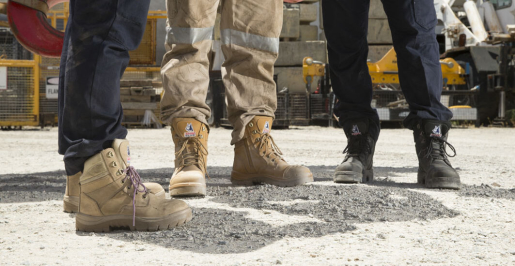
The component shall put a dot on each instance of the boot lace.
(195, 154)
(440, 152)
(270, 148)
(356, 146)
(132, 175)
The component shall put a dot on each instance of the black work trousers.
(98, 36)
(412, 23)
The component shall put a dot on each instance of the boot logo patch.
(436, 132)
(189, 131)
(266, 128)
(355, 130)
(128, 156)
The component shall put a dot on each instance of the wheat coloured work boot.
(113, 196)
(434, 170)
(257, 159)
(190, 138)
(71, 193)
(359, 159)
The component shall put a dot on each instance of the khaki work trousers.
(250, 43)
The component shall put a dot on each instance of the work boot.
(434, 168)
(257, 159)
(190, 138)
(71, 193)
(358, 163)
(113, 196)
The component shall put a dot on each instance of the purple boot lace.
(133, 176)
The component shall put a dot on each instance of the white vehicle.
(478, 35)
(485, 19)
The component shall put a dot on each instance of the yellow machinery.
(386, 71)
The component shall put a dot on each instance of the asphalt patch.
(486, 191)
(337, 208)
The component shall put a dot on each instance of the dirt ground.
(391, 221)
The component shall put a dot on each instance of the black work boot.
(434, 170)
(358, 163)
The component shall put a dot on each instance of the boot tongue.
(264, 124)
(121, 148)
(187, 127)
(436, 128)
(355, 128)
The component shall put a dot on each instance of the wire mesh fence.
(10, 48)
(18, 101)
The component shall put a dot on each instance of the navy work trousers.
(98, 36)
(412, 23)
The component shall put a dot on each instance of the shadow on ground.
(329, 208)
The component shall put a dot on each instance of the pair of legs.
(250, 43)
(95, 54)
(413, 32)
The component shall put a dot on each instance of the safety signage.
(3, 78)
(52, 87)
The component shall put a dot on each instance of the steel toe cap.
(297, 172)
(350, 165)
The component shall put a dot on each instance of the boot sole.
(87, 223)
(421, 179)
(354, 177)
(259, 179)
(187, 190)
(71, 204)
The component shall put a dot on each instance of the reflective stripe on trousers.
(250, 43)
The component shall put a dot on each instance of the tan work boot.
(257, 159)
(190, 138)
(71, 193)
(112, 196)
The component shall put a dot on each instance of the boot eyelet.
(254, 131)
(203, 128)
(119, 172)
(110, 154)
(251, 124)
(114, 164)
(200, 136)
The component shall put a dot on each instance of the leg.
(413, 31)
(185, 71)
(111, 193)
(185, 67)
(345, 24)
(99, 35)
(250, 42)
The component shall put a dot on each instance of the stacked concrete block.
(379, 35)
(140, 98)
(299, 39)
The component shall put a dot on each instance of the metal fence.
(19, 97)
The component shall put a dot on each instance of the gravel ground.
(392, 220)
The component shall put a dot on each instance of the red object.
(33, 31)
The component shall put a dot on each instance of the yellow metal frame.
(387, 71)
(34, 64)
(54, 15)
